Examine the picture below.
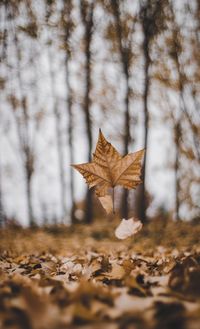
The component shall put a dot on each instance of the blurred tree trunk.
(28, 173)
(125, 56)
(2, 215)
(87, 9)
(141, 196)
(23, 135)
(58, 139)
(144, 14)
(1, 212)
(152, 17)
(19, 101)
(182, 80)
(3, 56)
(70, 142)
(56, 111)
(143, 206)
(26, 153)
(177, 132)
(184, 109)
(175, 52)
(68, 26)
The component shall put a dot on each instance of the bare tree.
(2, 215)
(172, 69)
(59, 146)
(22, 116)
(151, 16)
(188, 119)
(87, 11)
(68, 27)
(126, 54)
(26, 148)
(176, 53)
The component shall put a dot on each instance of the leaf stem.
(113, 200)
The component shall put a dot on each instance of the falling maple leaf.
(109, 169)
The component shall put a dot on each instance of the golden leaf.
(109, 169)
(105, 154)
(117, 272)
(127, 170)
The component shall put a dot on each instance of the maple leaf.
(109, 169)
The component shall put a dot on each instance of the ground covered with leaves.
(83, 277)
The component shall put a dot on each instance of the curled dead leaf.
(127, 228)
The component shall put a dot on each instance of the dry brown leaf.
(117, 272)
(109, 169)
(134, 287)
(127, 228)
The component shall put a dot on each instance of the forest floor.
(83, 277)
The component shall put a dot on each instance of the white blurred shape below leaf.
(127, 228)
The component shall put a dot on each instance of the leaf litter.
(67, 278)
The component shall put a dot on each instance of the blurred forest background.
(70, 67)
